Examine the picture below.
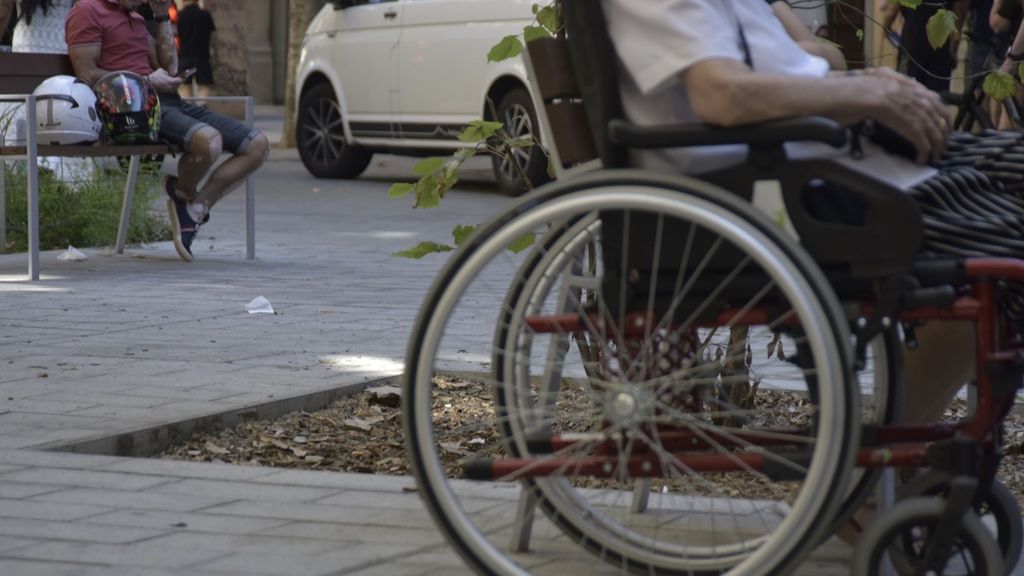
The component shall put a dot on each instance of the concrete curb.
(152, 440)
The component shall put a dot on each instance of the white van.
(405, 77)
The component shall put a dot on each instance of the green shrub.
(87, 213)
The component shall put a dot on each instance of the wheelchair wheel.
(901, 536)
(880, 386)
(999, 512)
(612, 380)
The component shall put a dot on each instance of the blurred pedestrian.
(40, 24)
(918, 59)
(196, 28)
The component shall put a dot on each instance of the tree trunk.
(300, 14)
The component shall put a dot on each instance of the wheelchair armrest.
(811, 129)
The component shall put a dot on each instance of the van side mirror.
(342, 4)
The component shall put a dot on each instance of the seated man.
(107, 35)
(731, 62)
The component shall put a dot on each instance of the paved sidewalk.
(115, 353)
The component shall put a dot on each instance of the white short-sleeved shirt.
(657, 40)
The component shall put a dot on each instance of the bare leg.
(203, 150)
(203, 91)
(933, 372)
(185, 90)
(234, 171)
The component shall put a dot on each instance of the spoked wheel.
(901, 537)
(999, 512)
(617, 390)
(880, 387)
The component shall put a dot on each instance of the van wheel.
(515, 110)
(321, 137)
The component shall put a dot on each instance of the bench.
(20, 74)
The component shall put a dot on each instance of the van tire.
(321, 139)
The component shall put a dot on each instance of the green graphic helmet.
(128, 108)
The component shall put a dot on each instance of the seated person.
(732, 62)
(108, 35)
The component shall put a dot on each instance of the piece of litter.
(259, 305)
(72, 254)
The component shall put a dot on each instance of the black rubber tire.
(516, 108)
(999, 503)
(886, 533)
(321, 139)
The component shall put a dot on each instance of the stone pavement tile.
(84, 478)
(251, 492)
(8, 543)
(9, 468)
(33, 568)
(192, 470)
(48, 510)
(73, 531)
(129, 398)
(389, 500)
(307, 564)
(319, 513)
(401, 569)
(192, 521)
(123, 499)
(49, 405)
(140, 571)
(247, 543)
(14, 490)
(357, 533)
(136, 555)
(57, 459)
(340, 480)
(44, 420)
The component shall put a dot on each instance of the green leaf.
(463, 154)
(940, 27)
(548, 18)
(429, 166)
(479, 130)
(422, 249)
(399, 190)
(860, 34)
(531, 33)
(508, 47)
(836, 44)
(911, 3)
(461, 232)
(999, 85)
(522, 243)
(428, 192)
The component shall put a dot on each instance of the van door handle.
(390, 15)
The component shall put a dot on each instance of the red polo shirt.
(121, 35)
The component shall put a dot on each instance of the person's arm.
(726, 92)
(85, 60)
(803, 36)
(999, 18)
(6, 12)
(889, 13)
(162, 53)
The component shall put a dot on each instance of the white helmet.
(66, 111)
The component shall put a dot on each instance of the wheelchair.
(698, 376)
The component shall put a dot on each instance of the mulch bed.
(363, 433)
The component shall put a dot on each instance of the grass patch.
(86, 213)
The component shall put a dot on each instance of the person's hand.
(915, 112)
(160, 7)
(163, 82)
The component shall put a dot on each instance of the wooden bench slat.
(571, 131)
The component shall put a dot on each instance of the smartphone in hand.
(186, 74)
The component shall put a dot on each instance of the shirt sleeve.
(82, 27)
(656, 40)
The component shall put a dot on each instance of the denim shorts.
(180, 119)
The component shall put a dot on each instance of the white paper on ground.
(72, 254)
(259, 305)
